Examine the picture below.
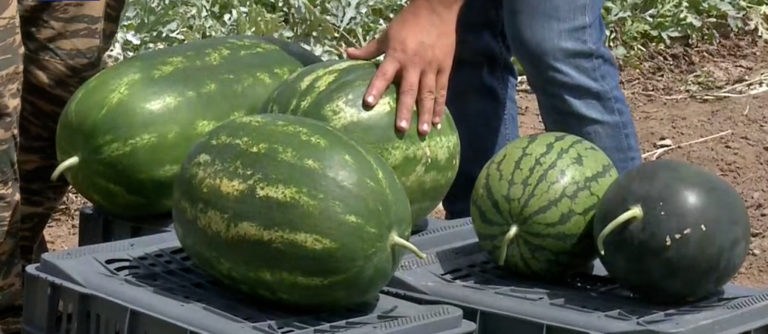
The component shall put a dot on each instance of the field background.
(695, 74)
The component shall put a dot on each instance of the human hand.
(418, 45)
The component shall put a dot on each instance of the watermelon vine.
(64, 165)
(505, 243)
(396, 240)
(635, 211)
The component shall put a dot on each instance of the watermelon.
(123, 134)
(671, 231)
(292, 212)
(332, 92)
(533, 204)
(298, 52)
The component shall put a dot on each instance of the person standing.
(47, 50)
(457, 53)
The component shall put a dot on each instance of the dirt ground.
(675, 99)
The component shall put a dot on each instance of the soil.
(673, 100)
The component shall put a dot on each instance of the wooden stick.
(756, 91)
(658, 152)
(762, 77)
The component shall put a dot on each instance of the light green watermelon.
(291, 211)
(332, 92)
(123, 134)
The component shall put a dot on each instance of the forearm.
(451, 6)
(442, 3)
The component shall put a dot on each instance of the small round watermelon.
(124, 133)
(534, 201)
(291, 211)
(671, 231)
(332, 91)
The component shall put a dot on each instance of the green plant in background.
(635, 25)
(326, 26)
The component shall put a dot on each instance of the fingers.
(409, 88)
(425, 88)
(419, 84)
(385, 73)
(369, 51)
(426, 102)
(383, 77)
(441, 93)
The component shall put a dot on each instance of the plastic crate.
(147, 285)
(96, 226)
(457, 272)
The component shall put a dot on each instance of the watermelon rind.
(534, 202)
(122, 136)
(332, 91)
(672, 232)
(291, 212)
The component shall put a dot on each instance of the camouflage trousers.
(48, 49)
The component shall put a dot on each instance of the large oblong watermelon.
(534, 201)
(671, 231)
(289, 210)
(332, 92)
(123, 134)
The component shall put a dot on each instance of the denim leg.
(561, 46)
(480, 96)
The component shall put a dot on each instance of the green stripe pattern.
(548, 185)
(332, 92)
(132, 124)
(289, 210)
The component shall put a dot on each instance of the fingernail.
(425, 127)
(439, 125)
(403, 124)
(369, 99)
(436, 120)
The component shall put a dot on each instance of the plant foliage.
(326, 26)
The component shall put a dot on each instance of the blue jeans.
(560, 44)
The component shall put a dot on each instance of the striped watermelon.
(332, 92)
(534, 201)
(124, 133)
(289, 210)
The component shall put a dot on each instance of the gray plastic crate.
(457, 272)
(96, 227)
(148, 285)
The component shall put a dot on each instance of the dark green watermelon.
(332, 92)
(123, 134)
(291, 211)
(533, 204)
(672, 231)
(298, 52)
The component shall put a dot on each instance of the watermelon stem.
(71, 162)
(505, 243)
(400, 242)
(635, 211)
